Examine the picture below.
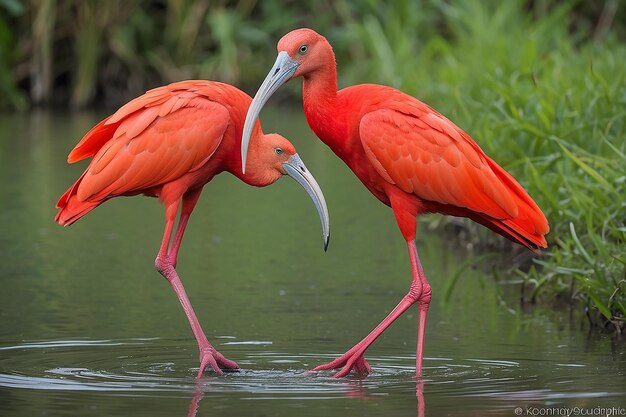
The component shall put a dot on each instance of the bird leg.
(190, 198)
(418, 292)
(423, 303)
(165, 265)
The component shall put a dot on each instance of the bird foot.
(347, 362)
(218, 362)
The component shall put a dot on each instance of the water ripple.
(153, 366)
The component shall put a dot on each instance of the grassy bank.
(542, 89)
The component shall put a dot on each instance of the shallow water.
(90, 328)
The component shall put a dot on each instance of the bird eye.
(302, 50)
(278, 151)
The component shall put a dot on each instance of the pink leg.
(419, 394)
(189, 202)
(423, 303)
(418, 292)
(164, 264)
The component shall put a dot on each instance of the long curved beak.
(281, 72)
(294, 167)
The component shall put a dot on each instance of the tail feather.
(528, 227)
(512, 231)
(71, 208)
(530, 223)
(74, 211)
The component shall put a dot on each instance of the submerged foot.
(347, 362)
(218, 362)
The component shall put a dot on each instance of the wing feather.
(137, 123)
(153, 139)
(425, 154)
(171, 147)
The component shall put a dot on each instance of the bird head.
(305, 49)
(273, 156)
(268, 153)
(300, 53)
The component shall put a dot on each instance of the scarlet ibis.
(409, 156)
(168, 143)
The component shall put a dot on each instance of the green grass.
(542, 88)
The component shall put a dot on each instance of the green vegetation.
(541, 88)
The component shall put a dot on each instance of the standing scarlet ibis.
(408, 155)
(169, 143)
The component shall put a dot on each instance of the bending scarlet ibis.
(409, 156)
(169, 143)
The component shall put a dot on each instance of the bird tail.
(511, 230)
(71, 208)
(530, 225)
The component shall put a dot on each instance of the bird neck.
(320, 85)
(321, 105)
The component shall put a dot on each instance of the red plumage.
(409, 156)
(169, 143)
(155, 139)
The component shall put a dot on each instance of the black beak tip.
(326, 241)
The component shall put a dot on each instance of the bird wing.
(153, 139)
(425, 154)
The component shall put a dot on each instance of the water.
(88, 327)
